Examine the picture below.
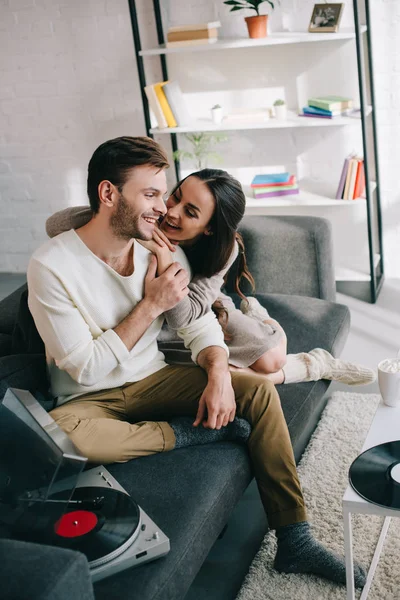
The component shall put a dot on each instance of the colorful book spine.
(158, 88)
(315, 116)
(191, 34)
(273, 188)
(278, 193)
(261, 186)
(331, 102)
(359, 186)
(177, 103)
(194, 27)
(342, 180)
(312, 110)
(352, 164)
(270, 178)
(155, 106)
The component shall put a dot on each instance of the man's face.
(140, 203)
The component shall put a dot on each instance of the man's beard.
(125, 222)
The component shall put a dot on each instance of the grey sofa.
(191, 493)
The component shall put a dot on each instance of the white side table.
(385, 427)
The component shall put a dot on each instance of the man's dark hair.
(113, 160)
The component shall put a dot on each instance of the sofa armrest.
(289, 255)
(31, 571)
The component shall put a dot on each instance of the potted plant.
(202, 151)
(217, 114)
(280, 109)
(256, 25)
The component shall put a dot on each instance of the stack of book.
(187, 35)
(352, 180)
(274, 184)
(168, 104)
(328, 107)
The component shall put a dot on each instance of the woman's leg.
(305, 366)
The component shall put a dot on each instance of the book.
(194, 27)
(352, 181)
(316, 116)
(165, 107)
(177, 103)
(155, 106)
(312, 110)
(350, 178)
(359, 186)
(331, 102)
(178, 36)
(198, 42)
(266, 186)
(278, 193)
(342, 180)
(270, 178)
(274, 188)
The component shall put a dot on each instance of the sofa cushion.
(190, 494)
(5, 343)
(26, 372)
(25, 336)
(9, 310)
(43, 573)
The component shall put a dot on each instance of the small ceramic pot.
(217, 115)
(280, 112)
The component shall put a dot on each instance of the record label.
(375, 475)
(75, 523)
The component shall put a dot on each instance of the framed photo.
(326, 18)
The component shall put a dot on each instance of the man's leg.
(98, 426)
(275, 470)
(123, 423)
(270, 449)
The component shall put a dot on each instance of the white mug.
(389, 381)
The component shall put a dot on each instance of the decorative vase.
(257, 26)
(280, 112)
(217, 115)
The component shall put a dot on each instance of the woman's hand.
(162, 248)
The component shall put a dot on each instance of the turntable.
(46, 496)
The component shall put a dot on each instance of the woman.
(203, 214)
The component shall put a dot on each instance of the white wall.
(69, 81)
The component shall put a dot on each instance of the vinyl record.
(99, 522)
(375, 475)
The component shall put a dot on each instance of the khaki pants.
(119, 424)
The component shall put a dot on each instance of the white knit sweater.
(76, 300)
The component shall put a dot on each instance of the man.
(98, 307)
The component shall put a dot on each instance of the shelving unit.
(366, 285)
(293, 120)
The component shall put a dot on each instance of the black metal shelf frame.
(364, 290)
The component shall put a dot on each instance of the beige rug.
(323, 472)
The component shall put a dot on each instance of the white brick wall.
(69, 81)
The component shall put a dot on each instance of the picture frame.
(326, 17)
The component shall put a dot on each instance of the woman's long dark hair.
(210, 254)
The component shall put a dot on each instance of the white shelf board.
(305, 197)
(352, 274)
(273, 39)
(293, 120)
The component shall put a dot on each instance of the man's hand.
(217, 406)
(164, 292)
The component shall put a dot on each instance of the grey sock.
(299, 552)
(187, 435)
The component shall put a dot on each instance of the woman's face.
(189, 212)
